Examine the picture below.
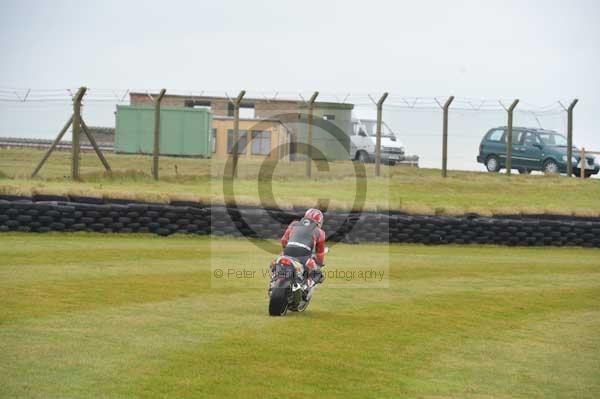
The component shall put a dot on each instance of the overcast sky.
(539, 51)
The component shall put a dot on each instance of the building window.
(329, 117)
(198, 104)
(261, 143)
(247, 113)
(242, 141)
(214, 140)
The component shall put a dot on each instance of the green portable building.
(183, 131)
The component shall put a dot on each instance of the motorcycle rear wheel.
(278, 304)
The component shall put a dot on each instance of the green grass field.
(420, 191)
(138, 316)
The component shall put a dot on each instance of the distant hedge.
(54, 213)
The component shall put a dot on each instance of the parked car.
(532, 149)
(363, 139)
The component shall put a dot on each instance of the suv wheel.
(492, 164)
(550, 166)
(524, 171)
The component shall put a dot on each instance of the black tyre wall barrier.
(38, 214)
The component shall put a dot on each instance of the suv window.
(553, 139)
(496, 135)
(517, 136)
(530, 139)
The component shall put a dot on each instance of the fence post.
(445, 137)
(378, 140)
(236, 132)
(75, 149)
(509, 137)
(311, 103)
(53, 146)
(582, 163)
(570, 137)
(95, 146)
(155, 152)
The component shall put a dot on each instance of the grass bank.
(420, 191)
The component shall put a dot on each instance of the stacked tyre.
(50, 213)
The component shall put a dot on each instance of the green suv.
(532, 149)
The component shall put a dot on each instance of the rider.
(302, 238)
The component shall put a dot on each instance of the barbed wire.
(394, 101)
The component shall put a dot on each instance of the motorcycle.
(290, 288)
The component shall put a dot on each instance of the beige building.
(258, 138)
(271, 112)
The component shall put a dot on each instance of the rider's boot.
(317, 275)
(272, 268)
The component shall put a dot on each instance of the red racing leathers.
(301, 239)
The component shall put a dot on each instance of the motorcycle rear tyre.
(278, 304)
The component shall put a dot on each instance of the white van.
(363, 139)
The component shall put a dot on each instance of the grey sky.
(539, 51)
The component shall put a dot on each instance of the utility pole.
(582, 163)
(570, 137)
(378, 139)
(509, 137)
(156, 151)
(311, 103)
(236, 131)
(75, 147)
(445, 137)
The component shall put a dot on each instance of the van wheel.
(524, 171)
(492, 164)
(362, 157)
(550, 166)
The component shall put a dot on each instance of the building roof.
(250, 100)
(219, 117)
